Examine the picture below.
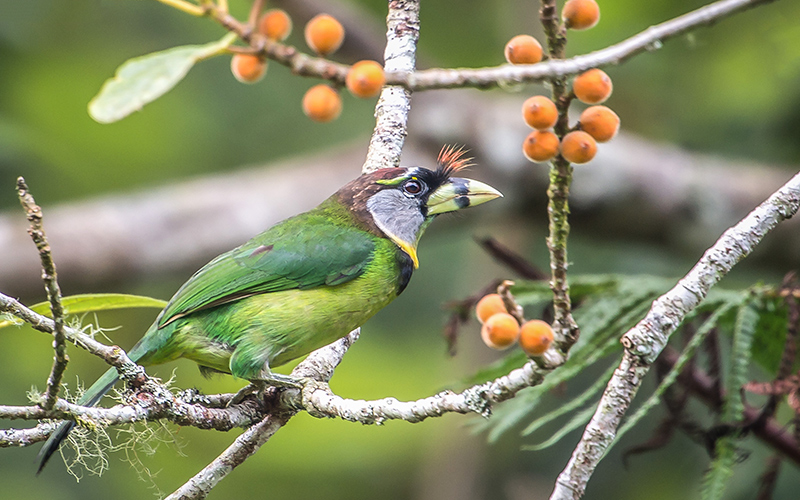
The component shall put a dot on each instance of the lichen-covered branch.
(36, 231)
(318, 366)
(647, 339)
(391, 112)
(320, 401)
(113, 355)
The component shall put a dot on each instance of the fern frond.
(578, 420)
(670, 378)
(744, 329)
(721, 470)
(574, 404)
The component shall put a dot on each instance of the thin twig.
(646, 340)
(185, 6)
(507, 75)
(255, 11)
(565, 328)
(36, 231)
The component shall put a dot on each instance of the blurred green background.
(732, 90)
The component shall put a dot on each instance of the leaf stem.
(189, 8)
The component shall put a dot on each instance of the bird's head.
(399, 203)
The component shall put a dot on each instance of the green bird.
(303, 283)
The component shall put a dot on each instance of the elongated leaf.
(672, 376)
(716, 479)
(574, 404)
(746, 319)
(78, 304)
(578, 420)
(144, 79)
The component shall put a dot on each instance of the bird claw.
(260, 385)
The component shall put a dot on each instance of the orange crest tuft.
(452, 159)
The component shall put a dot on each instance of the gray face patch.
(398, 215)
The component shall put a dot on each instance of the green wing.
(306, 251)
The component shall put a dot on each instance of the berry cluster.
(596, 124)
(501, 330)
(324, 35)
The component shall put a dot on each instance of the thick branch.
(647, 339)
(391, 112)
(319, 366)
(319, 401)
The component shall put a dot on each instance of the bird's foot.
(258, 386)
(278, 380)
(253, 387)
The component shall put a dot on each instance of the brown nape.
(355, 194)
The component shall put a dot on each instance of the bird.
(304, 282)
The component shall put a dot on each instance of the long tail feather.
(91, 397)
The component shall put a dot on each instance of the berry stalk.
(558, 190)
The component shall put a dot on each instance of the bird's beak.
(458, 193)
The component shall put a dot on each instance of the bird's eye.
(413, 187)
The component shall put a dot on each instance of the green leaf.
(578, 420)
(746, 320)
(770, 334)
(574, 404)
(144, 79)
(91, 302)
(721, 470)
(672, 376)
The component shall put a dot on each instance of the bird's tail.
(90, 398)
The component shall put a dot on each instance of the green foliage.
(578, 420)
(91, 302)
(721, 470)
(770, 333)
(672, 376)
(577, 402)
(607, 306)
(144, 79)
(746, 320)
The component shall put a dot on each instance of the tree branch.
(34, 215)
(385, 148)
(508, 75)
(647, 339)
(391, 112)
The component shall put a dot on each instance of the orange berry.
(592, 87)
(580, 14)
(599, 122)
(275, 24)
(248, 68)
(322, 103)
(523, 49)
(324, 34)
(365, 79)
(535, 337)
(578, 147)
(500, 331)
(488, 306)
(540, 145)
(539, 112)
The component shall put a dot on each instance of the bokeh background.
(710, 127)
